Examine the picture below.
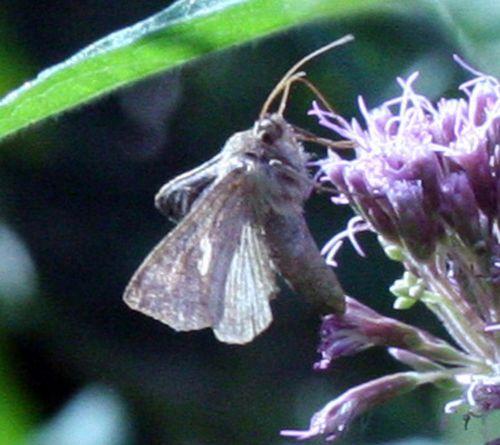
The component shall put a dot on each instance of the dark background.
(77, 217)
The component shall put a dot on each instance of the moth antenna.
(300, 133)
(343, 145)
(307, 136)
(286, 90)
(315, 91)
(281, 86)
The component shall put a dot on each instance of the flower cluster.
(426, 179)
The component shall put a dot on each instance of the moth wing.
(189, 281)
(250, 283)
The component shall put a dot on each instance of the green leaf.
(182, 32)
(474, 27)
(17, 414)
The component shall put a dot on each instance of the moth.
(240, 223)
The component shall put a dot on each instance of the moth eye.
(267, 138)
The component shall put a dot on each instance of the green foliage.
(190, 29)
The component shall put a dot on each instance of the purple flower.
(481, 396)
(361, 328)
(485, 394)
(410, 156)
(426, 179)
(333, 420)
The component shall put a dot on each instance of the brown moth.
(240, 223)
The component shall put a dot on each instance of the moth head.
(269, 129)
(284, 180)
(275, 138)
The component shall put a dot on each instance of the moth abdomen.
(298, 260)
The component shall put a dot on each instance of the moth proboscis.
(240, 222)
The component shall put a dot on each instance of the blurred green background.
(77, 217)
